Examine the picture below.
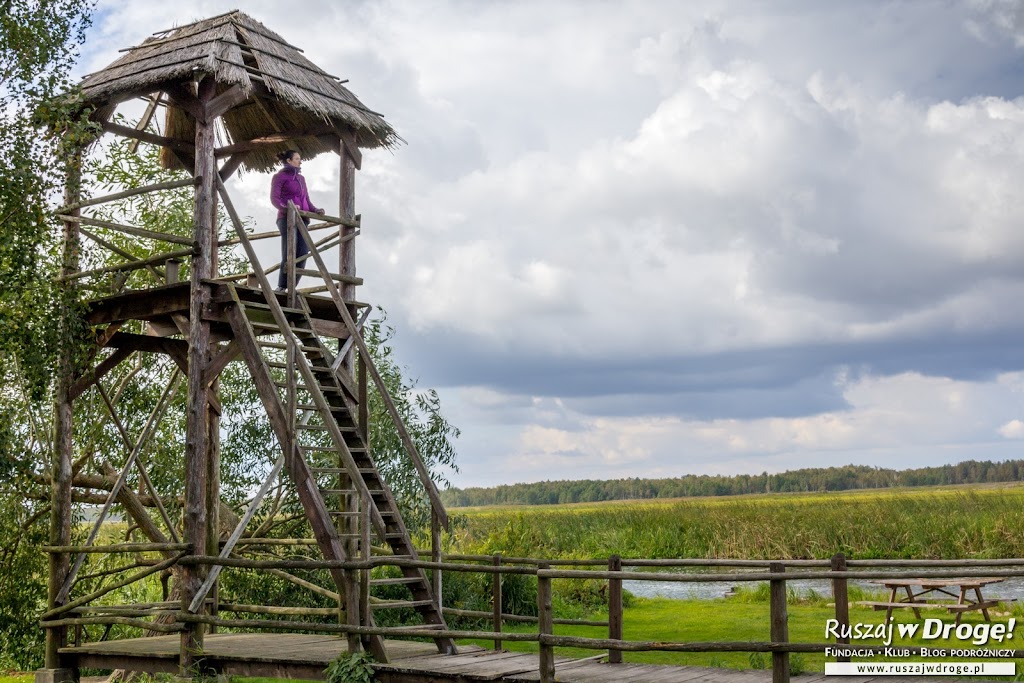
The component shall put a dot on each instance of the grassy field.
(732, 620)
(948, 522)
(968, 522)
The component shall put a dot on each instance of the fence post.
(779, 622)
(841, 597)
(496, 598)
(615, 608)
(546, 624)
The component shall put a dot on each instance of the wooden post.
(615, 608)
(364, 405)
(841, 597)
(63, 451)
(496, 598)
(291, 243)
(172, 271)
(435, 556)
(197, 436)
(546, 625)
(365, 555)
(347, 250)
(779, 623)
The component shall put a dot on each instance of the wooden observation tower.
(231, 94)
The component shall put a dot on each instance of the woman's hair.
(286, 155)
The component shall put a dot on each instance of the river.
(1011, 588)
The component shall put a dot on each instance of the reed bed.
(967, 522)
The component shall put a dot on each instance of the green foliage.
(40, 119)
(962, 522)
(350, 668)
(757, 660)
(421, 411)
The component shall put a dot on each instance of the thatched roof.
(286, 93)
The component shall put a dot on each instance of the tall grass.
(967, 522)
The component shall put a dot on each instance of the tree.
(39, 42)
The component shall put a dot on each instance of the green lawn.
(660, 619)
(19, 678)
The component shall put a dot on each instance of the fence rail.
(777, 574)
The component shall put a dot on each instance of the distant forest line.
(805, 480)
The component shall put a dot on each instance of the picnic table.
(918, 592)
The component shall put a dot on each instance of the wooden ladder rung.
(283, 346)
(284, 385)
(283, 366)
(266, 307)
(336, 492)
(310, 406)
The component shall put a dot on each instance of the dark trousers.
(300, 250)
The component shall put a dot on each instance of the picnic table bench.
(967, 592)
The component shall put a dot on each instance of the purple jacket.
(287, 184)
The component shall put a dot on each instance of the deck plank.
(306, 655)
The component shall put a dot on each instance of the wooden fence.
(614, 570)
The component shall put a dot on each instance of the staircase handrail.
(364, 353)
(301, 361)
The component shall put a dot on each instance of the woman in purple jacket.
(288, 184)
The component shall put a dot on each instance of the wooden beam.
(131, 265)
(183, 98)
(97, 373)
(130, 229)
(223, 103)
(221, 360)
(348, 139)
(275, 139)
(147, 117)
(139, 305)
(155, 187)
(144, 136)
(177, 349)
(232, 164)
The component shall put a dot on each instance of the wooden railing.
(614, 570)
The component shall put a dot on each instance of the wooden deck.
(288, 655)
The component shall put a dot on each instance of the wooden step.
(282, 346)
(285, 366)
(274, 327)
(266, 307)
(303, 387)
(310, 406)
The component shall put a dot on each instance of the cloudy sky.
(659, 238)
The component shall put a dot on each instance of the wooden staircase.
(312, 402)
